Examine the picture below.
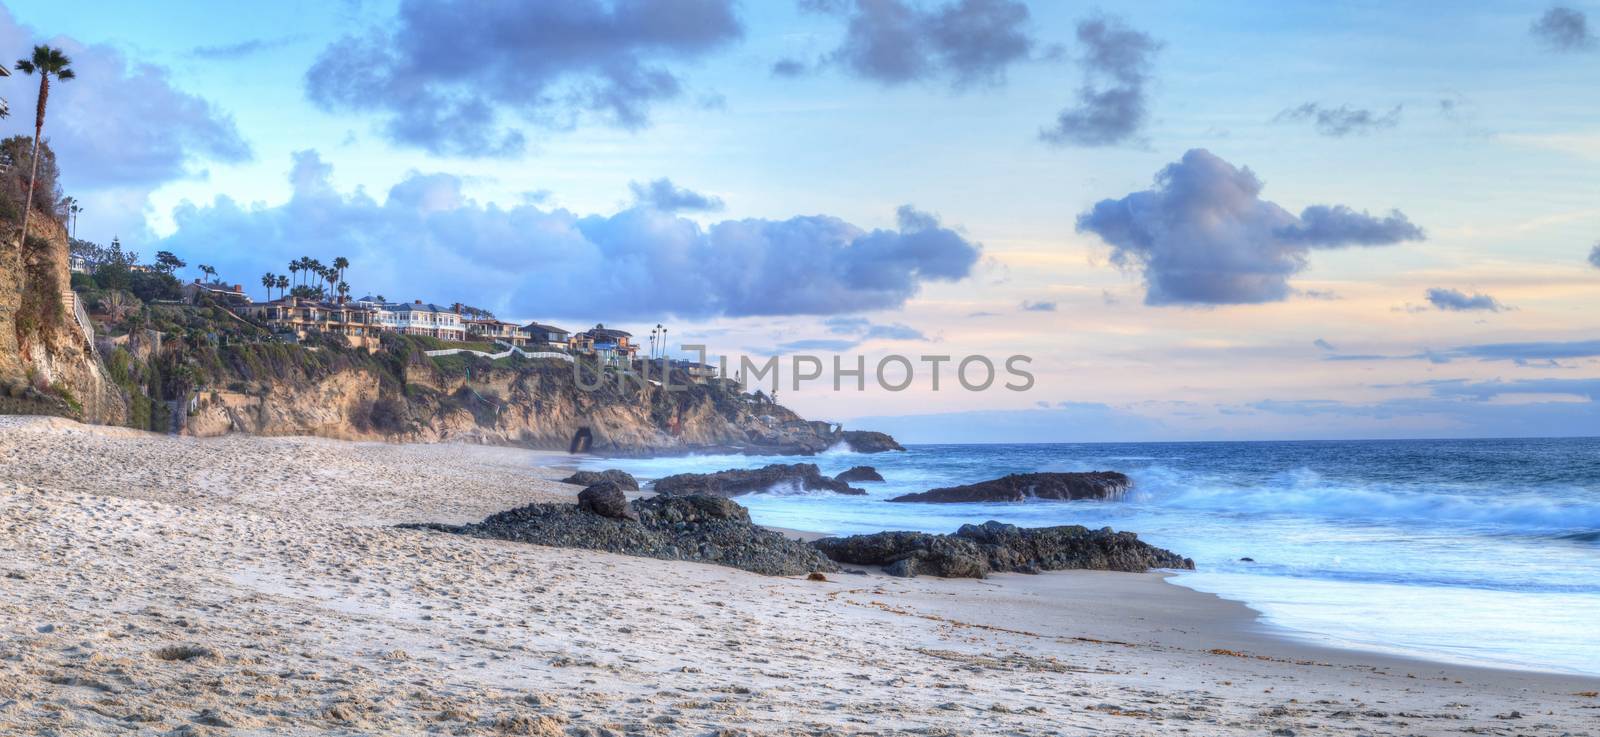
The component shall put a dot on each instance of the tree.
(341, 263)
(269, 280)
(167, 263)
(45, 62)
(283, 283)
(211, 273)
(344, 292)
(294, 268)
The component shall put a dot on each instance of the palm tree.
(341, 263)
(344, 292)
(294, 268)
(283, 283)
(211, 273)
(46, 61)
(269, 280)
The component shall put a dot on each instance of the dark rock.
(859, 474)
(733, 482)
(974, 551)
(696, 528)
(607, 500)
(1247, 560)
(615, 476)
(1021, 486)
(816, 576)
(867, 441)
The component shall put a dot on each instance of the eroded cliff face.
(47, 362)
(538, 404)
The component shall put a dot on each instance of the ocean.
(1483, 552)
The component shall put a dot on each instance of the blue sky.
(1476, 126)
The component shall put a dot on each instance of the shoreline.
(256, 582)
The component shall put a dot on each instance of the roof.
(534, 327)
(600, 332)
(414, 307)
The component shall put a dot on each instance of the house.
(608, 344)
(490, 329)
(546, 336)
(75, 263)
(417, 318)
(229, 293)
(302, 317)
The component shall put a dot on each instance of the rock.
(859, 474)
(696, 527)
(737, 481)
(867, 441)
(1104, 485)
(1247, 560)
(815, 576)
(607, 500)
(974, 551)
(615, 476)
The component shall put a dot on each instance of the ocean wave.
(1305, 492)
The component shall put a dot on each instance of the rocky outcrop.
(975, 551)
(866, 441)
(858, 474)
(737, 481)
(48, 362)
(694, 528)
(533, 403)
(607, 500)
(615, 476)
(1103, 485)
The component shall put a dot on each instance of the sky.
(1253, 220)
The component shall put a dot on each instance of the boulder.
(859, 474)
(734, 482)
(615, 476)
(607, 500)
(975, 551)
(695, 528)
(867, 441)
(1102, 485)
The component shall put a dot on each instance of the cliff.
(399, 394)
(48, 362)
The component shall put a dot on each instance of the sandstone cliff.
(398, 394)
(48, 363)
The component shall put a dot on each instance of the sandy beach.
(253, 586)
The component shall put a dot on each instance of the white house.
(417, 318)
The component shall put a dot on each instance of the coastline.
(256, 582)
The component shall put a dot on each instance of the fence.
(80, 316)
(510, 349)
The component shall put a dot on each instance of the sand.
(253, 586)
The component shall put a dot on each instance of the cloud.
(789, 68)
(663, 195)
(1563, 29)
(1534, 351)
(1487, 390)
(1323, 344)
(967, 42)
(119, 130)
(867, 330)
(826, 345)
(242, 49)
(1343, 120)
(427, 239)
(1203, 235)
(1594, 255)
(453, 78)
(1111, 106)
(1031, 306)
(1455, 300)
